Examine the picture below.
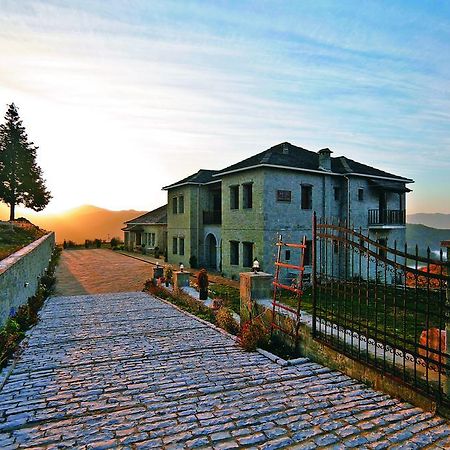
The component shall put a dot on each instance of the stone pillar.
(180, 280)
(253, 286)
(446, 244)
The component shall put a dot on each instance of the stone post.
(180, 280)
(446, 244)
(253, 286)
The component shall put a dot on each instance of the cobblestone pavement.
(96, 271)
(127, 370)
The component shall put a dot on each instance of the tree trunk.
(12, 211)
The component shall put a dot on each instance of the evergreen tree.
(21, 181)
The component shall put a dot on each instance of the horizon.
(122, 100)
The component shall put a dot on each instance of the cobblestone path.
(96, 271)
(126, 370)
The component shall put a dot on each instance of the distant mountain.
(434, 220)
(425, 237)
(83, 222)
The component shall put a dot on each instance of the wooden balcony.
(212, 217)
(383, 217)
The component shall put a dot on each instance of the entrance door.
(211, 251)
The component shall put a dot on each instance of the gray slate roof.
(291, 156)
(201, 177)
(157, 216)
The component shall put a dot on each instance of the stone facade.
(282, 201)
(20, 274)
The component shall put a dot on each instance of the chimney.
(325, 159)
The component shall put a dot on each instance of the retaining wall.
(20, 274)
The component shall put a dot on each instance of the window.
(247, 254)
(174, 205)
(181, 246)
(336, 247)
(234, 197)
(181, 204)
(382, 250)
(287, 256)
(306, 196)
(337, 193)
(151, 238)
(247, 195)
(234, 253)
(360, 194)
(283, 196)
(175, 245)
(308, 254)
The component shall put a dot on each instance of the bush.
(252, 335)
(193, 262)
(115, 242)
(225, 320)
(98, 243)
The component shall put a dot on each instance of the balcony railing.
(387, 217)
(212, 217)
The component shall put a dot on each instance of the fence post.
(446, 244)
(314, 273)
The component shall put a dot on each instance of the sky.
(124, 97)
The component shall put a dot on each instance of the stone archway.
(211, 251)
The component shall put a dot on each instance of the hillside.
(84, 222)
(434, 220)
(425, 237)
(13, 238)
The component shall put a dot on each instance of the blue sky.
(124, 97)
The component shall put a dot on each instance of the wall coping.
(12, 259)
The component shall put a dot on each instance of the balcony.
(387, 217)
(212, 217)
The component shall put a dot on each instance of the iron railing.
(383, 306)
(212, 217)
(387, 217)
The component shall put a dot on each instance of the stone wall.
(20, 274)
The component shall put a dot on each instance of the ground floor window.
(247, 254)
(181, 246)
(308, 253)
(234, 253)
(150, 239)
(175, 246)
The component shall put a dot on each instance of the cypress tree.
(21, 181)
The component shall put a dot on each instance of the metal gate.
(383, 306)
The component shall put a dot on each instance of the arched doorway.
(211, 251)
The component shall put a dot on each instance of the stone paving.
(127, 370)
(96, 271)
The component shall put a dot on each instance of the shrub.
(193, 262)
(65, 244)
(253, 334)
(225, 320)
(115, 242)
(98, 243)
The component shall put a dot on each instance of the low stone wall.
(20, 274)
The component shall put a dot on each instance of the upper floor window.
(175, 205)
(287, 255)
(306, 196)
(247, 195)
(247, 254)
(234, 197)
(284, 196)
(234, 253)
(360, 194)
(181, 204)
(337, 193)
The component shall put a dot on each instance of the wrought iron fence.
(384, 306)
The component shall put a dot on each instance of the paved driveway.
(96, 271)
(126, 370)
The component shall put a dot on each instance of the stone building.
(148, 232)
(224, 219)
